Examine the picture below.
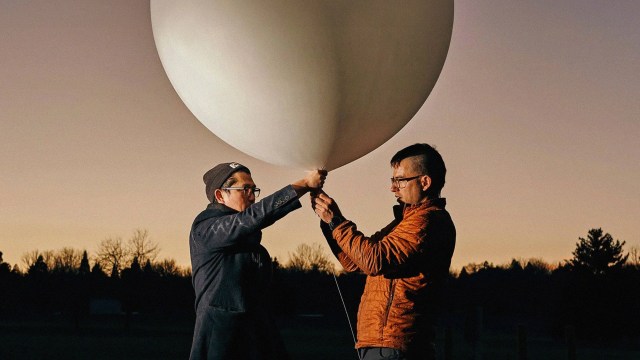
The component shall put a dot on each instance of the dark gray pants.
(380, 353)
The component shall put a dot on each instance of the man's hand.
(315, 179)
(325, 207)
(312, 182)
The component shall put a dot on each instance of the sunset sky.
(536, 113)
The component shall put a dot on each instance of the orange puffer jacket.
(405, 263)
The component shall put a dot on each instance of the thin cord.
(346, 313)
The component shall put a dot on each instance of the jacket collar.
(220, 208)
(401, 209)
(214, 210)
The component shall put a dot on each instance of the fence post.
(570, 338)
(478, 344)
(448, 343)
(522, 342)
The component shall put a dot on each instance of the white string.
(346, 313)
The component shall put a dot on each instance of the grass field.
(306, 338)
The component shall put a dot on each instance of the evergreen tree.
(515, 266)
(84, 265)
(96, 270)
(598, 254)
(135, 265)
(16, 270)
(463, 273)
(131, 286)
(4, 267)
(39, 268)
(276, 264)
(148, 269)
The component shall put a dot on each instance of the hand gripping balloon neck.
(323, 173)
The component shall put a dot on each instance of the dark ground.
(306, 338)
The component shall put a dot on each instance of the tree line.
(597, 290)
(111, 257)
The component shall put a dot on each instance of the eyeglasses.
(401, 183)
(248, 190)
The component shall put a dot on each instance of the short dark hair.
(229, 183)
(428, 161)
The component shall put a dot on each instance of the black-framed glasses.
(248, 190)
(401, 183)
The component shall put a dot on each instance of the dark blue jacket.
(231, 277)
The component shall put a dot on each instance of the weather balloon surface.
(307, 84)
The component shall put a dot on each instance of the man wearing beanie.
(231, 270)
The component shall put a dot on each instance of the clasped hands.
(324, 206)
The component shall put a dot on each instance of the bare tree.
(310, 258)
(49, 258)
(140, 245)
(67, 260)
(472, 268)
(538, 265)
(111, 254)
(634, 254)
(168, 267)
(31, 257)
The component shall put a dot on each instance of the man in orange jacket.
(406, 262)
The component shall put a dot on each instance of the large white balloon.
(309, 84)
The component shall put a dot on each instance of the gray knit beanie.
(215, 178)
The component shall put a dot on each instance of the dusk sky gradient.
(536, 113)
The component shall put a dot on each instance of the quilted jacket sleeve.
(344, 260)
(386, 251)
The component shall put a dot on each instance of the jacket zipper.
(386, 314)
